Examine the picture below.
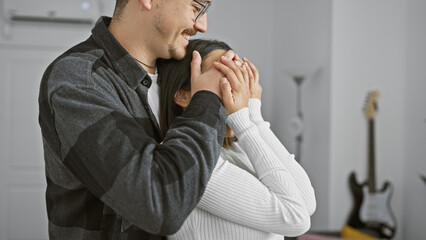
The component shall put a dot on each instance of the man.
(108, 176)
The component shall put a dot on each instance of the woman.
(257, 190)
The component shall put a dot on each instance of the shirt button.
(145, 82)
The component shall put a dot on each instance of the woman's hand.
(255, 88)
(235, 86)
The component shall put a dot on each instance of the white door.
(22, 180)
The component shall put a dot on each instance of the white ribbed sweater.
(257, 190)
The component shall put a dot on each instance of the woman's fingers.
(229, 73)
(255, 88)
(234, 66)
(253, 68)
(251, 74)
(230, 54)
(246, 73)
(227, 97)
(236, 92)
(251, 77)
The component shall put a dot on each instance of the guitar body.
(357, 194)
(371, 213)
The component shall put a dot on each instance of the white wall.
(414, 159)
(302, 38)
(368, 53)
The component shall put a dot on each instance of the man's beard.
(174, 52)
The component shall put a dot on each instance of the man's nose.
(201, 23)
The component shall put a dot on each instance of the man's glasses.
(203, 10)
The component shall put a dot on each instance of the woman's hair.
(176, 74)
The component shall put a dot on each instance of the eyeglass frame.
(203, 10)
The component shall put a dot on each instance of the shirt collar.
(122, 61)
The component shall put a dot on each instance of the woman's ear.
(182, 98)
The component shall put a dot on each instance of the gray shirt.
(108, 176)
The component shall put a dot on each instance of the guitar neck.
(371, 157)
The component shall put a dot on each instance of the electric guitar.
(371, 213)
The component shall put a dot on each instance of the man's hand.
(207, 81)
(255, 88)
(235, 86)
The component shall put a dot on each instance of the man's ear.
(147, 4)
(182, 98)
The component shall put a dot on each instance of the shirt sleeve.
(154, 186)
(295, 169)
(269, 201)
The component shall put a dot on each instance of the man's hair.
(119, 7)
(176, 74)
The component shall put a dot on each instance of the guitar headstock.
(370, 108)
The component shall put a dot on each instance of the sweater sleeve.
(269, 201)
(299, 174)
